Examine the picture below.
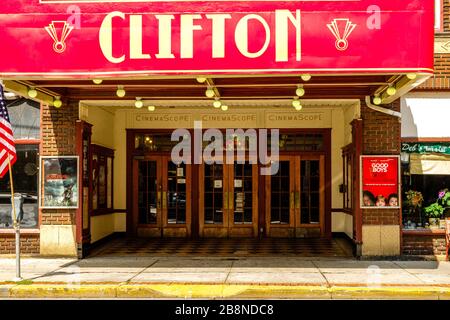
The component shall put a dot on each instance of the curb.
(219, 291)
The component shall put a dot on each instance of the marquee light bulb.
(297, 104)
(138, 103)
(224, 107)
(217, 104)
(377, 100)
(306, 77)
(57, 103)
(411, 76)
(32, 93)
(209, 93)
(391, 91)
(300, 92)
(151, 108)
(97, 81)
(201, 79)
(120, 92)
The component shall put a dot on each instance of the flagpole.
(15, 223)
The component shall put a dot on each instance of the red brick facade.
(423, 245)
(29, 244)
(58, 138)
(381, 135)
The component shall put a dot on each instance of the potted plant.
(435, 211)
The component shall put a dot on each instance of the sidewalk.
(198, 277)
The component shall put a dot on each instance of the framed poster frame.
(361, 182)
(75, 175)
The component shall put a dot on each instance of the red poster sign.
(81, 38)
(380, 181)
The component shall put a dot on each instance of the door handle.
(297, 200)
(225, 200)
(164, 200)
(158, 201)
(230, 199)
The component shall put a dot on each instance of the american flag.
(7, 147)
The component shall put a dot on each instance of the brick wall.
(58, 138)
(381, 132)
(381, 217)
(29, 244)
(423, 245)
(441, 78)
(381, 135)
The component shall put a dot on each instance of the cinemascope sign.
(83, 38)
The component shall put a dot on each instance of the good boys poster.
(380, 181)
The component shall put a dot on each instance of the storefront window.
(425, 182)
(25, 178)
(25, 119)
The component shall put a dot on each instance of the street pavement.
(243, 277)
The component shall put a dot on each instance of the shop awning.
(430, 164)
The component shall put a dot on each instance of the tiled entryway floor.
(237, 247)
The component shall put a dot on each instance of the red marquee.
(86, 38)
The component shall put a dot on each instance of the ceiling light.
(297, 104)
(32, 93)
(201, 79)
(97, 81)
(391, 91)
(209, 93)
(377, 100)
(57, 103)
(224, 107)
(411, 76)
(138, 103)
(306, 77)
(217, 104)
(151, 108)
(300, 91)
(120, 92)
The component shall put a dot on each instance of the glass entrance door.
(228, 200)
(162, 196)
(295, 198)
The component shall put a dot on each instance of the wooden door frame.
(322, 192)
(255, 204)
(157, 228)
(222, 229)
(267, 202)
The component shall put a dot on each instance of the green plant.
(434, 210)
(437, 209)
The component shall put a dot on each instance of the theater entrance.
(228, 200)
(294, 200)
(162, 197)
(232, 199)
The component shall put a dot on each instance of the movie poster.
(380, 181)
(59, 182)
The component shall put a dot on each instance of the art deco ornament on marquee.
(341, 29)
(59, 42)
